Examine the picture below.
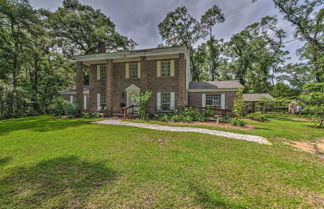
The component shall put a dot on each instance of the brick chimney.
(101, 47)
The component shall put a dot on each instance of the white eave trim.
(132, 54)
(73, 92)
(210, 90)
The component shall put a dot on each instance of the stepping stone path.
(251, 138)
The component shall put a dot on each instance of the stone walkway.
(251, 138)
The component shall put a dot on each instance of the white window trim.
(203, 99)
(127, 70)
(98, 72)
(158, 101)
(85, 101)
(71, 99)
(223, 101)
(172, 105)
(98, 101)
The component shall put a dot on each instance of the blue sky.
(138, 19)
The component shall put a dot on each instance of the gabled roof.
(232, 84)
(255, 97)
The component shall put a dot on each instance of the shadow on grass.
(56, 183)
(206, 200)
(39, 123)
(4, 160)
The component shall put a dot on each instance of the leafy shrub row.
(186, 115)
(62, 107)
(258, 117)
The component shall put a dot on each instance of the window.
(72, 99)
(165, 101)
(133, 70)
(213, 100)
(103, 72)
(103, 101)
(165, 68)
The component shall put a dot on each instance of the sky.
(138, 19)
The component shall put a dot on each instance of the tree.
(307, 18)
(180, 28)
(313, 97)
(239, 104)
(213, 16)
(142, 100)
(256, 54)
(17, 19)
(79, 28)
(282, 90)
(296, 74)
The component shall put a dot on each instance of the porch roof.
(255, 97)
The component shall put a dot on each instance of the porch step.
(121, 115)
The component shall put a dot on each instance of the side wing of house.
(217, 94)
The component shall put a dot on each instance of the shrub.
(187, 119)
(237, 122)
(164, 117)
(72, 110)
(91, 115)
(225, 119)
(239, 104)
(142, 100)
(57, 107)
(150, 116)
(258, 117)
(193, 114)
(207, 114)
(176, 118)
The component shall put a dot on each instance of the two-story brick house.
(163, 71)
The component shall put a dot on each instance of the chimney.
(101, 47)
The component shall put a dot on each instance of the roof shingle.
(232, 84)
(255, 97)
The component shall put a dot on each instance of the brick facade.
(79, 83)
(109, 86)
(148, 81)
(182, 80)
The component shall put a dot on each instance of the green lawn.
(46, 163)
(284, 127)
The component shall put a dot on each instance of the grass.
(46, 163)
(280, 127)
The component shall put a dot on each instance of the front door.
(131, 89)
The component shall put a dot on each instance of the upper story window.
(103, 72)
(165, 68)
(213, 100)
(133, 70)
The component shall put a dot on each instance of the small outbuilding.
(251, 101)
(294, 107)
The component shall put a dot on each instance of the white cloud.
(138, 19)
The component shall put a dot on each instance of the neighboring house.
(70, 95)
(252, 100)
(294, 107)
(163, 71)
